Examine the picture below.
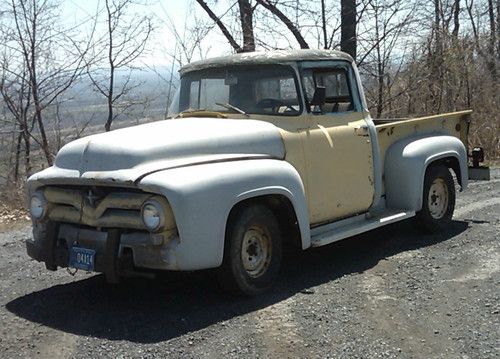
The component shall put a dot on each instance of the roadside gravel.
(391, 293)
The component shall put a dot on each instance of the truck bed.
(390, 131)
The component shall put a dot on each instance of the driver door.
(338, 149)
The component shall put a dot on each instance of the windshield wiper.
(232, 107)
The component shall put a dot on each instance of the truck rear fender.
(203, 196)
(406, 162)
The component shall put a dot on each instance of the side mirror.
(318, 99)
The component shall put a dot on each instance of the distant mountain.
(147, 98)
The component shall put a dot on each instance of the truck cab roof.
(268, 57)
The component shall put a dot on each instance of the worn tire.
(438, 200)
(253, 251)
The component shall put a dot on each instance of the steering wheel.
(274, 104)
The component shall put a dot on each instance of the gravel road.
(391, 293)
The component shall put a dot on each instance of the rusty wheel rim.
(438, 198)
(256, 251)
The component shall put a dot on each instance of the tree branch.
(288, 23)
(221, 26)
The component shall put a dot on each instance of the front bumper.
(118, 251)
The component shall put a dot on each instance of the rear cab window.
(340, 88)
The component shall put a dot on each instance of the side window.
(335, 83)
(309, 85)
(337, 89)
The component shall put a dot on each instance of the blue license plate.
(82, 258)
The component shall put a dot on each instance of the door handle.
(361, 130)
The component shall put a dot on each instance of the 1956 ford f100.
(262, 151)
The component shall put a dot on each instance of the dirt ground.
(391, 293)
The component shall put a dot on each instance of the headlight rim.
(44, 204)
(161, 214)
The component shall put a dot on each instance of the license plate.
(82, 258)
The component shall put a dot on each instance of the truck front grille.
(96, 208)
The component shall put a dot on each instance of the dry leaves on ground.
(10, 215)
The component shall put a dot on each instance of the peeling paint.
(268, 57)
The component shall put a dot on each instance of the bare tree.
(456, 18)
(383, 48)
(43, 59)
(247, 27)
(246, 18)
(286, 21)
(221, 25)
(323, 24)
(246, 21)
(189, 40)
(348, 27)
(498, 30)
(125, 40)
(492, 59)
(16, 95)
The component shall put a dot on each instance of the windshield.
(266, 90)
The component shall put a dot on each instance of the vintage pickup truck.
(262, 151)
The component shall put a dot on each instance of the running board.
(349, 227)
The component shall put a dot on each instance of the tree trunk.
(498, 31)
(41, 127)
(109, 99)
(380, 69)
(34, 89)
(437, 60)
(323, 19)
(348, 27)
(437, 28)
(491, 44)
(17, 157)
(111, 84)
(456, 19)
(27, 154)
(246, 18)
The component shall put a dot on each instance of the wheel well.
(452, 163)
(283, 209)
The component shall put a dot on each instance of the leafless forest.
(59, 82)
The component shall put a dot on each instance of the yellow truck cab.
(261, 151)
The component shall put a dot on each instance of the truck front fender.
(406, 162)
(202, 196)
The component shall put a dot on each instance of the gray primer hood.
(128, 154)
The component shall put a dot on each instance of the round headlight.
(153, 215)
(38, 205)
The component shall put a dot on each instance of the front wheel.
(253, 251)
(438, 202)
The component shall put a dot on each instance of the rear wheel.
(253, 251)
(438, 202)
